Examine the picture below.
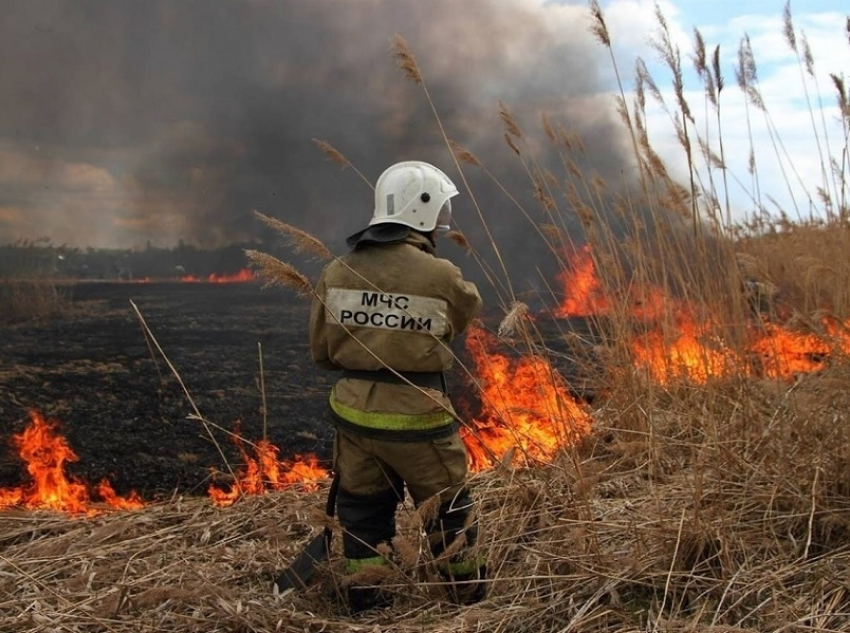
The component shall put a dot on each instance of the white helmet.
(414, 194)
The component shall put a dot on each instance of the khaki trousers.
(432, 467)
(373, 474)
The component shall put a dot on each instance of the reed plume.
(513, 321)
(335, 156)
(460, 239)
(405, 59)
(278, 273)
(300, 240)
(599, 28)
(509, 121)
(464, 155)
(510, 141)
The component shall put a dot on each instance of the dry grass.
(705, 523)
(809, 262)
(301, 241)
(29, 300)
(700, 508)
(28, 289)
(278, 273)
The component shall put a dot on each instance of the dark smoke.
(123, 121)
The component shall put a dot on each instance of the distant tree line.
(39, 258)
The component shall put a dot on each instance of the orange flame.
(130, 502)
(784, 353)
(45, 454)
(688, 350)
(690, 353)
(264, 472)
(778, 352)
(243, 275)
(584, 294)
(526, 406)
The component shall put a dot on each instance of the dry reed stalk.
(262, 386)
(405, 59)
(278, 273)
(196, 414)
(300, 240)
(464, 155)
(599, 29)
(407, 63)
(335, 156)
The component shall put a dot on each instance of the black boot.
(362, 599)
(468, 588)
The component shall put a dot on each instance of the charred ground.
(124, 412)
(122, 409)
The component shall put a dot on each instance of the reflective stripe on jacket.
(390, 305)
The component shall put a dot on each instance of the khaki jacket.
(390, 305)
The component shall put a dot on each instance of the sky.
(124, 123)
(788, 178)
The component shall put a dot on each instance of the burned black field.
(97, 372)
(122, 409)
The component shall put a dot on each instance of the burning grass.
(665, 521)
(45, 453)
(706, 490)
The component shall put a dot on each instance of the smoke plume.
(125, 121)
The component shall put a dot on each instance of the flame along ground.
(525, 407)
(674, 346)
(264, 472)
(526, 415)
(45, 454)
(244, 275)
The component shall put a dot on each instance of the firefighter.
(761, 299)
(383, 315)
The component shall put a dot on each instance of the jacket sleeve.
(318, 327)
(464, 301)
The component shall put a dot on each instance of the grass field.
(706, 488)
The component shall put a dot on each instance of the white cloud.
(782, 88)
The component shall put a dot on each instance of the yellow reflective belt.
(391, 421)
(354, 565)
(463, 568)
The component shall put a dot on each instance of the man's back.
(393, 305)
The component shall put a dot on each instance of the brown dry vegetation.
(715, 507)
(28, 300)
(808, 262)
(27, 289)
(721, 510)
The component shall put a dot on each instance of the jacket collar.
(420, 241)
(390, 233)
